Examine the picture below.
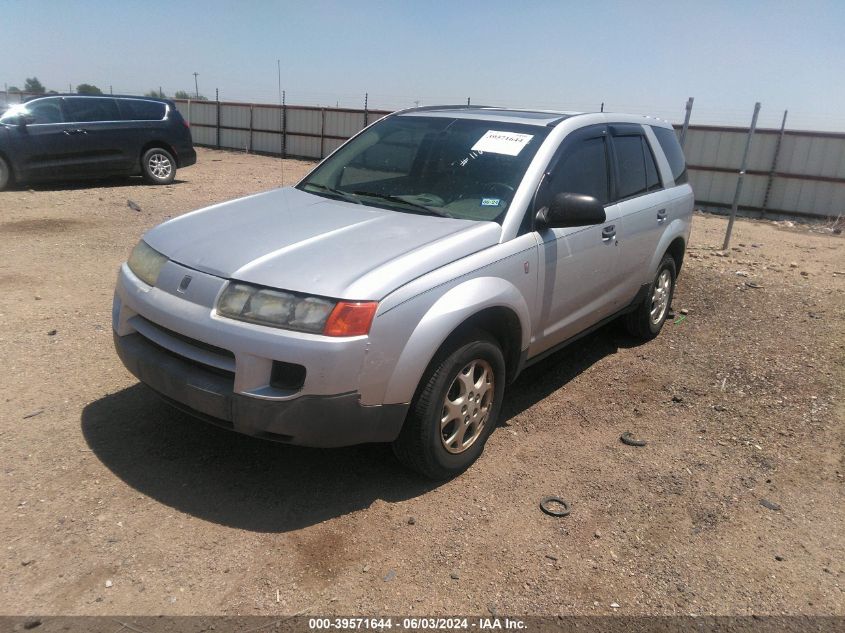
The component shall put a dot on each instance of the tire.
(5, 174)
(642, 323)
(421, 446)
(158, 166)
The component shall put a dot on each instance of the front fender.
(443, 317)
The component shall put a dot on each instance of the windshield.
(461, 168)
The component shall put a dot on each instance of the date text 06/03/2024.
(416, 624)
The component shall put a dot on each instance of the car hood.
(294, 240)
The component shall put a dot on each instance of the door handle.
(608, 232)
(661, 215)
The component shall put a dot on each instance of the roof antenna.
(602, 106)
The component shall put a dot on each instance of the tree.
(88, 89)
(34, 86)
(154, 93)
(182, 94)
(14, 89)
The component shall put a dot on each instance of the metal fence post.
(217, 99)
(251, 107)
(322, 131)
(735, 204)
(774, 165)
(686, 121)
(366, 109)
(284, 125)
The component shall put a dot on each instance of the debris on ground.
(133, 205)
(628, 438)
(771, 505)
(32, 414)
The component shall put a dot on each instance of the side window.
(630, 166)
(582, 169)
(45, 111)
(674, 154)
(90, 110)
(139, 110)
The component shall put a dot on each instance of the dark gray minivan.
(60, 137)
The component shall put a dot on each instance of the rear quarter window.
(140, 110)
(674, 154)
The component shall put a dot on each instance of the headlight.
(146, 263)
(294, 311)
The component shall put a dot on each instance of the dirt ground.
(114, 503)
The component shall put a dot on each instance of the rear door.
(579, 266)
(101, 134)
(642, 203)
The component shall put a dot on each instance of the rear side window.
(630, 166)
(139, 110)
(582, 169)
(652, 178)
(674, 154)
(82, 110)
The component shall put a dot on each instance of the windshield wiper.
(401, 200)
(342, 194)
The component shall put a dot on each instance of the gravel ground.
(114, 503)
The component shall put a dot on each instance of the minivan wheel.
(5, 174)
(456, 408)
(647, 320)
(158, 166)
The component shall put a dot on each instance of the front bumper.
(320, 421)
(223, 370)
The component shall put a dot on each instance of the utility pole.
(196, 86)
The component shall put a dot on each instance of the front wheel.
(455, 410)
(158, 166)
(647, 319)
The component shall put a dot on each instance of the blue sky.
(636, 57)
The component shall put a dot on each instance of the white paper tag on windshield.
(509, 143)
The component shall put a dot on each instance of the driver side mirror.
(570, 209)
(25, 119)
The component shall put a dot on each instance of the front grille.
(192, 341)
(215, 359)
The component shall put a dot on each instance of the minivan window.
(582, 169)
(89, 110)
(674, 154)
(41, 111)
(140, 110)
(461, 168)
(630, 166)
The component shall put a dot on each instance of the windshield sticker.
(509, 143)
(490, 202)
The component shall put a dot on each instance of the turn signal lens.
(351, 318)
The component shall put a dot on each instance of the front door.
(44, 147)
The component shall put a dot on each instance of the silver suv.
(391, 295)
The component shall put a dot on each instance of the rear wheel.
(5, 174)
(647, 320)
(455, 410)
(158, 166)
